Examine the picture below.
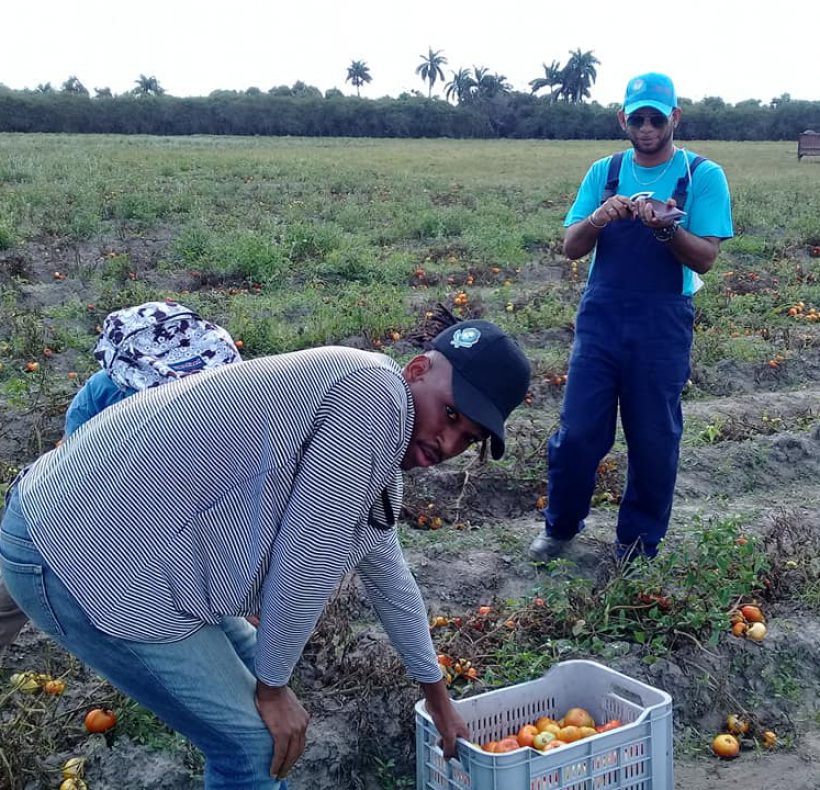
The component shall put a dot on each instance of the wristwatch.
(666, 234)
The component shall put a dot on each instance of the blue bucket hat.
(650, 90)
(491, 375)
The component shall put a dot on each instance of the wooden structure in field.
(808, 144)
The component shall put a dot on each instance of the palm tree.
(148, 86)
(73, 85)
(495, 84)
(578, 76)
(488, 85)
(358, 73)
(553, 75)
(460, 87)
(430, 68)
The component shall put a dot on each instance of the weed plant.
(682, 597)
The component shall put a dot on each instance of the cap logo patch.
(465, 338)
(637, 85)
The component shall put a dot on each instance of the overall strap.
(613, 176)
(682, 187)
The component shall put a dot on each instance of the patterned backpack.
(146, 345)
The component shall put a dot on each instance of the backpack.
(145, 346)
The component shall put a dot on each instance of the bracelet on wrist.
(665, 235)
(594, 224)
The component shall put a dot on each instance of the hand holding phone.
(663, 211)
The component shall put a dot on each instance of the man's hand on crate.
(447, 719)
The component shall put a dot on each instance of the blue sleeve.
(589, 193)
(709, 206)
(98, 393)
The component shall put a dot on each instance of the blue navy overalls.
(633, 337)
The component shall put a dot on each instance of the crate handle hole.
(627, 694)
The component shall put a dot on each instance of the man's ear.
(622, 119)
(676, 117)
(417, 367)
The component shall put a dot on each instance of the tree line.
(477, 103)
(302, 111)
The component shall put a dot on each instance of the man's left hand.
(651, 213)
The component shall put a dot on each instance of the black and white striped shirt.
(252, 488)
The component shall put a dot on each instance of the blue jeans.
(202, 686)
(98, 393)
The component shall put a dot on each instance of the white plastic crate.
(636, 756)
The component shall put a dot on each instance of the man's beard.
(653, 148)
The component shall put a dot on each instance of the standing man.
(633, 331)
(143, 540)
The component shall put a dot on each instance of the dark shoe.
(545, 548)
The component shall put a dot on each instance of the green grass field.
(356, 237)
(292, 243)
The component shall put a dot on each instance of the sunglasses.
(657, 120)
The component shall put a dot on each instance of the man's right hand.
(612, 209)
(287, 722)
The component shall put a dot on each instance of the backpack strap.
(682, 187)
(613, 175)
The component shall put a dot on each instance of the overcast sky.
(728, 48)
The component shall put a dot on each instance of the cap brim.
(474, 404)
(655, 105)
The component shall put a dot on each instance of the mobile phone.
(665, 211)
(662, 210)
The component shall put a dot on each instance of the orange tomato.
(752, 614)
(508, 744)
(612, 724)
(726, 746)
(484, 610)
(739, 628)
(100, 720)
(490, 746)
(577, 717)
(54, 686)
(736, 725)
(569, 734)
(543, 722)
(526, 735)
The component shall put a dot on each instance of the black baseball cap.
(491, 375)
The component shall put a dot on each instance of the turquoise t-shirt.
(708, 204)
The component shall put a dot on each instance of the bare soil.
(361, 734)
